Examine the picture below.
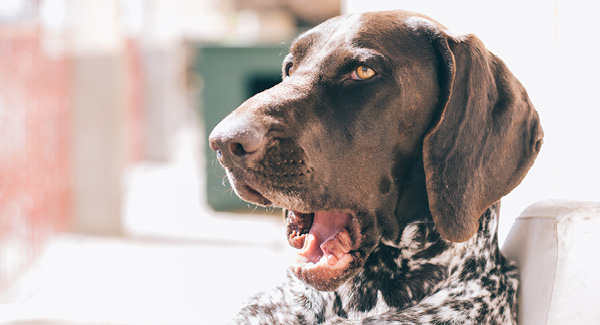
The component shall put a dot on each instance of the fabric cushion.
(556, 246)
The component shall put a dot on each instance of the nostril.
(238, 149)
(237, 142)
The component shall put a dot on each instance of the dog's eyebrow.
(303, 43)
(365, 54)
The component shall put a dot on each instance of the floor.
(180, 262)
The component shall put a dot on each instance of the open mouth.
(326, 242)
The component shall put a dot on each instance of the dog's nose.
(237, 140)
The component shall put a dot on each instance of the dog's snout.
(237, 141)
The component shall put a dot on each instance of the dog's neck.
(418, 229)
(411, 206)
(421, 263)
(418, 234)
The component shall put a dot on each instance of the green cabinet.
(229, 76)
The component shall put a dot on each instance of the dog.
(389, 143)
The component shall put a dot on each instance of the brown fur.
(442, 132)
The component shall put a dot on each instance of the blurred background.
(112, 208)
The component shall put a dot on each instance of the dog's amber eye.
(363, 73)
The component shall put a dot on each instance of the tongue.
(326, 225)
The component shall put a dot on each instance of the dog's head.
(381, 119)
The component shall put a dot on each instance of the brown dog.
(385, 133)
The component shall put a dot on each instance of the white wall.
(98, 116)
(553, 47)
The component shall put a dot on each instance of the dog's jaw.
(332, 244)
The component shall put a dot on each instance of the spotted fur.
(422, 279)
(406, 168)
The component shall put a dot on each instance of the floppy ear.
(485, 139)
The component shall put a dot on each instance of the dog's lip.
(247, 192)
(325, 270)
(257, 197)
(250, 190)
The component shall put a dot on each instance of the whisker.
(225, 181)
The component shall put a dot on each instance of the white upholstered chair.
(556, 245)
